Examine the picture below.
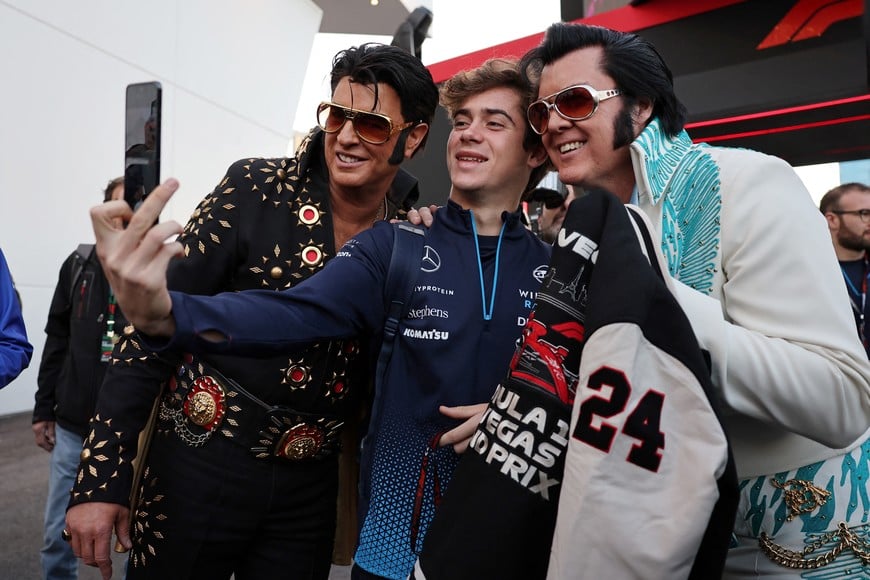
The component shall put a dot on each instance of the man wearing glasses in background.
(847, 209)
(758, 280)
(551, 214)
(243, 481)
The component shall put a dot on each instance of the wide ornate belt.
(202, 402)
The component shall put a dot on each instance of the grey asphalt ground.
(23, 486)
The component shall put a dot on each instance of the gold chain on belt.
(794, 559)
(802, 497)
(179, 421)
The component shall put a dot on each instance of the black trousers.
(215, 511)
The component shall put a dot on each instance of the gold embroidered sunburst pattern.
(311, 255)
(128, 350)
(308, 212)
(336, 386)
(98, 461)
(147, 535)
(297, 374)
(276, 271)
(205, 212)
(278, 177)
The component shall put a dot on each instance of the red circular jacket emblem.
(297, 375)
(308, 214)
(312, 255)
(205, 404)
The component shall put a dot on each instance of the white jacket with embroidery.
(759, 281)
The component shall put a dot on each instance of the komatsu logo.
(426, 334)
(579, 243)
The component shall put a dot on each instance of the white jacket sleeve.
(780, 332)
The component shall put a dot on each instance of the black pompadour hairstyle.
(374, 63)
(631, 61)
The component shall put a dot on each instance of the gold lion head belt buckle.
(293, 435)
(205, 404)
(214, 403)
(195, 406)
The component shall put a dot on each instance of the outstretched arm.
(135, 259)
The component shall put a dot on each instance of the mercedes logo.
(431, 260)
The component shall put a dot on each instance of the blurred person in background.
(83, 325)
(847, 210)
(15, 350)
(554, 205)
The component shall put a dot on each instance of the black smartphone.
(142, 141)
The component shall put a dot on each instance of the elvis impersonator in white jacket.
(759, 282)
(792, 375)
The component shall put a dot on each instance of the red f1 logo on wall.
(810, 18)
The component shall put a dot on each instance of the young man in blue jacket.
(479, 273)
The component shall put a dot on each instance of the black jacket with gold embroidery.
(267, 225)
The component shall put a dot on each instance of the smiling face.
(583, 151)
(356, 166)
(485, 155)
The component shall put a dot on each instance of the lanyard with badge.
(107, 344)
(855, 295)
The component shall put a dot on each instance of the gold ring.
(66, 535)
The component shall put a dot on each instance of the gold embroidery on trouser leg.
(801, 496)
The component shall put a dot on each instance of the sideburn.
(623, 126)
(398, 154)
